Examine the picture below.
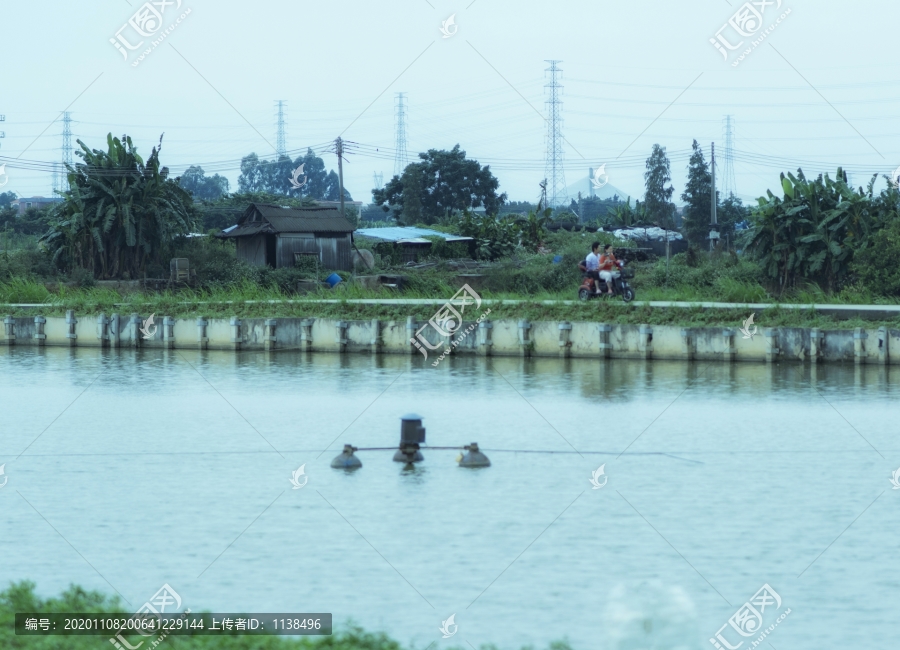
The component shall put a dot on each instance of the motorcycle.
(619, 284)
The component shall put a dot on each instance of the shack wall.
(252, 249)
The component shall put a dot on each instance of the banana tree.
(118, 213)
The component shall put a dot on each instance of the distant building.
(268, 235)
(39, 202)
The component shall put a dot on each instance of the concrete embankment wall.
(486, 338)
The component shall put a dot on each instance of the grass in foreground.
(20, 597)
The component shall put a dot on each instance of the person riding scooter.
(609, 267)
(592, 265)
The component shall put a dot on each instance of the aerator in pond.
(473, 457)
(412, 434)
(346, 459)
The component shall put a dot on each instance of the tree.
(625, 216)
(814, 232)
(730, 212)
(119, 212)
(202, 187)
(274, 177)
(443, 182)
(6, 198)
(225, 211)
(532, 227)
(657, 197)
(698, 197)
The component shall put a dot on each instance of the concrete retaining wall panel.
(545, 335)
(466, 339)
(894, 346)
(185, 333)
(56, 330)
(324, 335)
(838, 345)
(752, 349)
(219, 332)
(359, 335)
(584, 339)
(288, 332)
(86, 329)
(505, 336)
(395, 337)
(24, 331)
(667, 343)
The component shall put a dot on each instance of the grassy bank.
(227, 287)
(254, 302)
(20, 597)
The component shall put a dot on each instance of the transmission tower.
(554, 172)
(728, 172)
(280, 139)
(378, 180)
(60, 175)
(401, 157)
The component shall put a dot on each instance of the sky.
(819, 90)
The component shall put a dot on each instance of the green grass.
(20, 597)
(253, 302)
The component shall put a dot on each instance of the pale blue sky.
(623, 63)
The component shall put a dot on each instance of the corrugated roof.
(398, 234)
(274, 219)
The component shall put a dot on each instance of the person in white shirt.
(592, 264)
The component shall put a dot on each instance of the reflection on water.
(174, 466)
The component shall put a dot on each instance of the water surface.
(131, 469)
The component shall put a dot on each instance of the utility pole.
(713, 226)
(339, 146)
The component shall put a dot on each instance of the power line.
(554, 171)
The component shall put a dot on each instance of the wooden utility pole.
(339, 144)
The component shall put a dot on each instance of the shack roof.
(264, 218)
(407, 235)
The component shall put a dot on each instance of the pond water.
(127, 470)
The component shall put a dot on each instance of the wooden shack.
(269, 235)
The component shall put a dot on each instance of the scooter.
(619, 284)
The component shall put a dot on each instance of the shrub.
(26, 264)
(443, 250)
(877, 268)
(82, 278)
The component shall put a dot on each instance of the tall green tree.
(201, 186)
(657, 197)
(443, 182)
(814, 231)
(274, 177)
(6, 198)
(119, 212)
(697, 196)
